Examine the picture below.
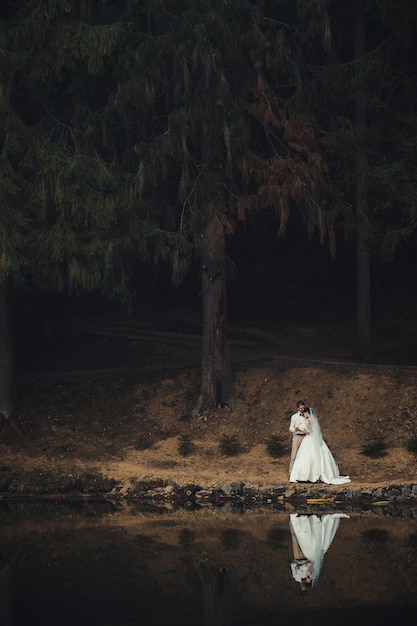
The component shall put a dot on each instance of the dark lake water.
(101, 564)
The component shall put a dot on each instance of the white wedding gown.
(314, 535)
(314, 461)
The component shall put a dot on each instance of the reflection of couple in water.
(311, 537)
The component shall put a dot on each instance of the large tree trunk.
(364, 343)
(7, 352)
(217, 385)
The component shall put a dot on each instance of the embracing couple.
(311, 459)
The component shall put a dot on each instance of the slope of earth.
(114, 402)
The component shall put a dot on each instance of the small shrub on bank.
(288, 414)
(185, 445)
(275, 446)
(229, 445)
(374, 446)
(411, 444)
(143, 443)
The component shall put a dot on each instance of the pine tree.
(61, 222)
(213, 132)
(361, 61)
(154, 127)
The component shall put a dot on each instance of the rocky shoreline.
(297, 496)
(306, 498)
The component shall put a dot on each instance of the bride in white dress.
(314, 461)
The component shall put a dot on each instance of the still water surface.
(100, 564)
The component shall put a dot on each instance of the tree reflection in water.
(218, 594)
(118, 566)
(7, 598)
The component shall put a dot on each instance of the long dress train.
(314, 461)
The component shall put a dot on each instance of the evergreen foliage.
(387, 75)
(59, 197)
(123, 123)
(131, 129)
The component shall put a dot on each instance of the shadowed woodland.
(251, 161)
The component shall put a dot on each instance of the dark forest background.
(274, 285)
(207, 167)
